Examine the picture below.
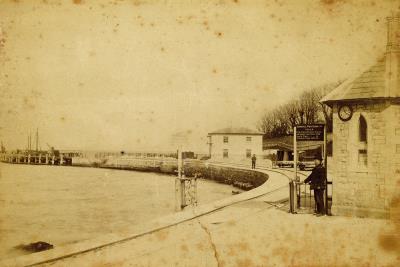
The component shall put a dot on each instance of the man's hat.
(318, 156)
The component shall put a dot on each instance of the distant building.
(235, 144)
(366, 136)
(282, 147)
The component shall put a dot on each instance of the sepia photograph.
(200, 133)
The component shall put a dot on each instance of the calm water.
(62, 205)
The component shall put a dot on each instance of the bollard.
(292, 197)
(178, 194)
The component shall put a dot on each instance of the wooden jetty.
(36, 158)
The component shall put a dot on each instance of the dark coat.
(317, 178)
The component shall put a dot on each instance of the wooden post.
(326, 170)
(296, 179)
(295, 153)
(178, 189)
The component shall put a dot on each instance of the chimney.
(392, 73)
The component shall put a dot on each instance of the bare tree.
(306, 109)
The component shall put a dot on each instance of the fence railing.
(301, 197)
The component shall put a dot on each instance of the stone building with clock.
(366, 136)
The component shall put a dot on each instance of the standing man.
(253, 161)
(317, 181)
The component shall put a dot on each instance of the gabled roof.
(239, 130)
(369, 85)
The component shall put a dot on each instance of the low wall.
(240, 178)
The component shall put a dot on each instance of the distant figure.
(253, 161)
(317, 181)
(273, 159)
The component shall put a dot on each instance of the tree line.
(306, 109)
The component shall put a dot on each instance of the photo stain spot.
(328, 2)
(244, 262)
(200, 246)
(389, 242)
(137, 3)
(161, 235)
(184, 248)
(77, 2)
(243, 246)
(231, 223)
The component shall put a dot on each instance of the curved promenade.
(275, 186)
(249, 229)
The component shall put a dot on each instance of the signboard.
(311, 132)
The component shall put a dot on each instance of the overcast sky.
(126, 75)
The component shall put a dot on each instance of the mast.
(37, 139)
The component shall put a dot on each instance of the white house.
(235, 144)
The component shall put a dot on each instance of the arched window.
(363, 129)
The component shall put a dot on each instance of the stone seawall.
(240, 178)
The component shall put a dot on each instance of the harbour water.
(62, 205)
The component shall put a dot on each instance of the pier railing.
(35, 158)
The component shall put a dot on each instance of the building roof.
(239, 130)
(369, 85)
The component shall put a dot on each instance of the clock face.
(345, 113)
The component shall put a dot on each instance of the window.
(363, 139)
(363, 128)
(248, 138)
(225, 153)
(248, 153)
(362, 157)
(226, 139)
